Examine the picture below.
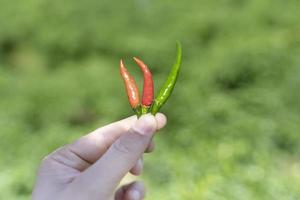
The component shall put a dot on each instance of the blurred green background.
(234, 116)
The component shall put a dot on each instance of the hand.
(93, 166)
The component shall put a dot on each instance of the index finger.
(93, 145)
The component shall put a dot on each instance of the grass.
(233, 129)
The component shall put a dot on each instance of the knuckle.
(136, 131)
(55, 156)
(122, 146)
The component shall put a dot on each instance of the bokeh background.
(234, 116)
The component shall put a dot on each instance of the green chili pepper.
(169, 85)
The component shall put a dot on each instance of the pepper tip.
(122, 66)
(136, 59)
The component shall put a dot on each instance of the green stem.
(138, 111)
(145, 109)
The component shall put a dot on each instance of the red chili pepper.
(148, 87)
(148, 102)
(131, 87)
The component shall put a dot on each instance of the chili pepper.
(131, 89)
(148, 88)
(169, 85)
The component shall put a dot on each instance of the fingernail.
(135, 195)
(145, 125)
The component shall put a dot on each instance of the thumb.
(103, 177)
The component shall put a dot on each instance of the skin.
(93, 166)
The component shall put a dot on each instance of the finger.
(86, 150)
(89, 148)
(66, 157)
(161, 120)
(93, 145)
(150, 147)
(138, 167)
(108, 171)
(132, 191)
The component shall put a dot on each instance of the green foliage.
(233, 129)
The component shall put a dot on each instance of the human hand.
(93, 166)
